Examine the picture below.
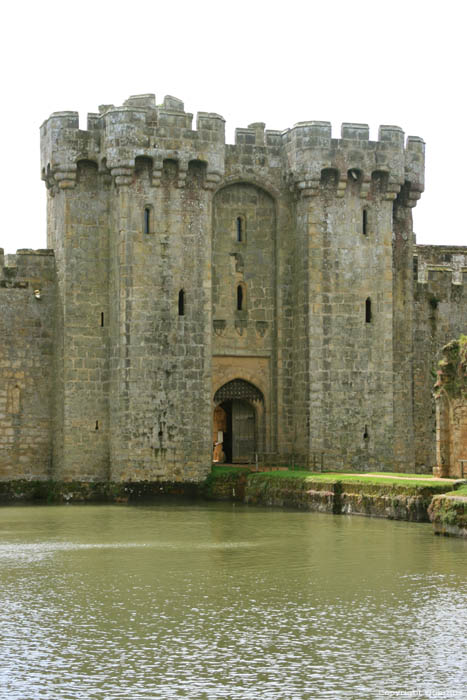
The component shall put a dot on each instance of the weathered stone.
(179, 264)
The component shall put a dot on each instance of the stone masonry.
(451, 410)
(276, 281)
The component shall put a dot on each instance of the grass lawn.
(408, 480)
(461, 491)
(358, 478)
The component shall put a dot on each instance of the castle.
(268, 296)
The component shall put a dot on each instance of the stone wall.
(440, 315)
(349, 286)
(27, 300)
(244, 295)
(349, 313)
(182, 263)
(450, 393)
(78, 232)
(161, 325)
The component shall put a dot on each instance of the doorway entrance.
(237, 422)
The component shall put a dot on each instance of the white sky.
(398, 62)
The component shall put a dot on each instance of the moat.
(217, 600)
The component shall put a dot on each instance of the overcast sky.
(392, 62)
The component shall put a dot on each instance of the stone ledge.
(448, 513)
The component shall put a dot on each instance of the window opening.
(368, 310)
(102, 319)
(97, 425)
(181, 303)
(239, 298)
(147, 219)
(365, 433)
(239, 229)
(365, 222)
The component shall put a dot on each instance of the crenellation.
(147, 101)
(245, 137)
(391, 134)
(355, 132)
(273, 138)
(139, 128)
(25, 266)
(447, 259)
(93, 121)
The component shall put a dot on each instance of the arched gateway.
(238, 422)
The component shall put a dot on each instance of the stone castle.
(268, 296)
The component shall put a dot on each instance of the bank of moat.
(267, 295)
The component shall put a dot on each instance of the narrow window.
(239, 298)
(239, 229)
(368, 310)
(365, 433)
(365, 222)
(147, 219)
(97, 425)
(181, 303)
(102, 319)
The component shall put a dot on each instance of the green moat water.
(227, 601)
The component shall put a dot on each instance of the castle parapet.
(311, 150)
(124, 137)
(447, 259)
(27, 269)
(117, 136)
(415, 166)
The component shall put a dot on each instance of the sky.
(399, 63)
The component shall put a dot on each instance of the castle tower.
(353, 296)
(78, 231)
(130, 221)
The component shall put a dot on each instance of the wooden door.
(243, 431)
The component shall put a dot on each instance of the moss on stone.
(448, 513)
(452, 369)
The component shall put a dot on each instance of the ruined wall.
(27, 300)
(450, 393)
(440, 315)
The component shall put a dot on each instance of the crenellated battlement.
(27, 268)
(451, 260)
(116, 136)
(311, 151)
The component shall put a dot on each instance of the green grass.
(218, 469)
(410, 480)
(461, 491)
(331, 477)
(399, 474)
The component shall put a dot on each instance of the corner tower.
(353, 323)
(129, 212)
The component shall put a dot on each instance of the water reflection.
(221, 601)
